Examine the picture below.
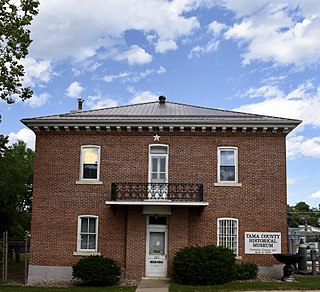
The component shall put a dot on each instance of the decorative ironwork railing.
(133, 191)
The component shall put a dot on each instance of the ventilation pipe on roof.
(162, 99)
(80, 102)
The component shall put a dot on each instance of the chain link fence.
(14, 256)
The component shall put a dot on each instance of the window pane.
(84, 241)
(162, 176)
(92, 241)
(92, 225)
(158, 150)
(90, 155)
(84, 225)
(227, 157)
(154, 164)
(227, 173)
(162, 164)
(154, 176)
(90, 171)
(228, 234)
(156, 244)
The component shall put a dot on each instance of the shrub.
(97, 271)
(206, 265)
(246, 271)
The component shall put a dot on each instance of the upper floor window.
(227, 165)
(90, 162)
(158, 164)
(228, 233)
(87, 233)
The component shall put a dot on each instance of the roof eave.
(162, 122)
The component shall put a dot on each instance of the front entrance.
(156, 246)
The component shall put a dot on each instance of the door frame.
(157, 228)
(159, 154)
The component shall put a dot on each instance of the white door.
(158, 176)
(156, 256)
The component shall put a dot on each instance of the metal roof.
(158, 113)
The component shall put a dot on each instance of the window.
(87, 233)
(90, 162)
(158, 172)
(158, 163)
(228, 233)
(227, 165)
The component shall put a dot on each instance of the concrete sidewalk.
(153, 285)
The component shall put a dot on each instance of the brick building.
(138, 182)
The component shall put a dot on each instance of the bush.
(97, 271)
(206, 265)
(246, 271)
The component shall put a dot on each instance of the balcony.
(170, 194)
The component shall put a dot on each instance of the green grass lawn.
(302, 283)
(14, 288)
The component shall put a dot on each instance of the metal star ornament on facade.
(156, 138)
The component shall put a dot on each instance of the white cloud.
(216, 28)
(38, 100)
(74, 89)
(283, 32)
(98, 101)
(291, 181)
(135, 56)
(210, 47)
(315, 195)
(165, 45)
(144, 96)
(134, 76)
(82, 29)
(36, 72)
(299, 103)
(25, 135)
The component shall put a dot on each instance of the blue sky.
(253, 56)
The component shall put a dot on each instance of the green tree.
(16, 175)
(3, 141)
(15, 40)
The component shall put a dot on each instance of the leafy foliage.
(205, 265)
(14, 43)
(246, 271)
(16, 164)
(301, 213)
(97, 271)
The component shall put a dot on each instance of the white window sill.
(227, 184)
(85, 253)
(89, 182)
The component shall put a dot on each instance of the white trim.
(230, 219)
(227, 184)
(88, 182)
(235, 149)
(87, 251)
(157, 203)
(81, 163)
(157, 228)
(162, 155)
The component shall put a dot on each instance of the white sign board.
(262, 242)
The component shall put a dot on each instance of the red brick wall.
(259, 205)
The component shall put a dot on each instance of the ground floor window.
(87, 233)
(228, 233)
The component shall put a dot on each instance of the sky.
(257, 56)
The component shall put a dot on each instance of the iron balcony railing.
(137, 191)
